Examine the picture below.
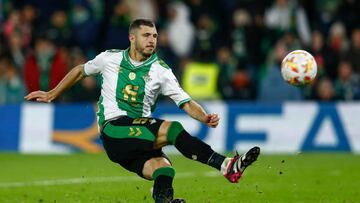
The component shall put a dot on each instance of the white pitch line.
(72, 181)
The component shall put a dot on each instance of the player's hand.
(212, 120)
(40, 96)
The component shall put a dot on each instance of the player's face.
(145, 40)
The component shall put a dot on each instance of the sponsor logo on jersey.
(147, 78)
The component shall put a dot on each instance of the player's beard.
(141, 50)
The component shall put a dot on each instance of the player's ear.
(131, 37)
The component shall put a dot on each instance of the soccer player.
(132, 79)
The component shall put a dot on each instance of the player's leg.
(130, 143)
(160, 170)
(193, 148)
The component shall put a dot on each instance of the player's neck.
(136, 56)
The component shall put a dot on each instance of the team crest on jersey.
(147, 78)
(132, 76)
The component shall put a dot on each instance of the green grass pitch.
(327, 177)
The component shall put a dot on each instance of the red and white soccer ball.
(299, 68)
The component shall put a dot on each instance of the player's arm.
(75, 75)
(171, 88)
(197, 112)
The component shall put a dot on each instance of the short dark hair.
(138, 22)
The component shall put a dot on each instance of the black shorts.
(130, 142)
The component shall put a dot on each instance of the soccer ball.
(299, 68)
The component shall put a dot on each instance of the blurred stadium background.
(226, 54)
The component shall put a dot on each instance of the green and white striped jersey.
(132, 88)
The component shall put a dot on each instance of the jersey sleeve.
(170, 87)
(95, 65)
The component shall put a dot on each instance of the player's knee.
(165, 171)
(174, 130)
(153, 164)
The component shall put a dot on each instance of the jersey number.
(130, 91)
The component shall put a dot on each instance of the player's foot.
(165, 200)
(166, 196)
(238, 164)
(178, 201)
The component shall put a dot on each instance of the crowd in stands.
(228, 49)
